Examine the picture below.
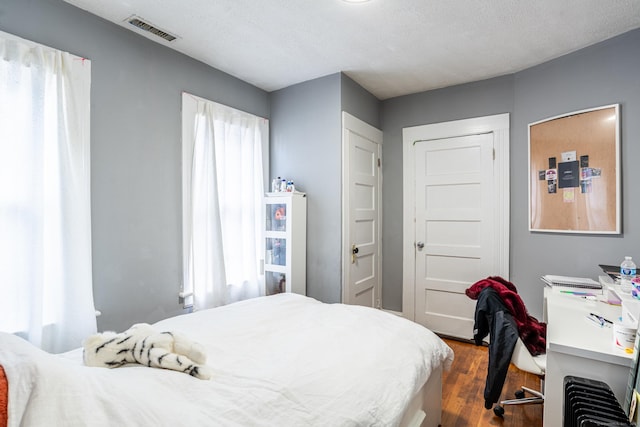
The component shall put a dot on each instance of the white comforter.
(282, 360)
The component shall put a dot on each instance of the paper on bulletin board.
(568, 195)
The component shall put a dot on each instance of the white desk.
(575, 346)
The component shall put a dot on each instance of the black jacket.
(494, 319)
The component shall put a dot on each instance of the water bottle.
(627, 272)
(283, 185)
(275, 185)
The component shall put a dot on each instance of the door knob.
(354, 251)
(420, 245)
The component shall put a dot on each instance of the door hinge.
(494, 154)
(379, 162)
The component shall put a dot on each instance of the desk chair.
(525, 361)
(497, 303)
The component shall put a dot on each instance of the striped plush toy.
(144, 345)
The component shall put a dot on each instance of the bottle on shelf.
(627, 272)
(275, 185)
(283, 185)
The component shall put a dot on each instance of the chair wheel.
(498, 410)
(520, 394)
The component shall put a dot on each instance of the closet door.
(454, 232)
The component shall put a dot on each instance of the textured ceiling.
(390, 47)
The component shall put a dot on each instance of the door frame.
(351, 123)
(498, 125)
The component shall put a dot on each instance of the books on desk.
(612, 271)
(571, 282)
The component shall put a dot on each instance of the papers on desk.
(571, 282)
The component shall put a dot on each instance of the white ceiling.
(390, 47)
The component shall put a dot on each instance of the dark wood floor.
(463, 387)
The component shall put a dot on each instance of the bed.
(280, 360)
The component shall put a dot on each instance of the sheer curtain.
(45, 248)
(223, 191)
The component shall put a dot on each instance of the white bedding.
(282, 360)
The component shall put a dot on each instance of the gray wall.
(599, 75)
(135, 151)
(305, 147)
(360, 103)
(602, 74)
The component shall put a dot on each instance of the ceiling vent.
(136, 21)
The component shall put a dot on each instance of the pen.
(588, 294)
(595, 320)
(602, 319)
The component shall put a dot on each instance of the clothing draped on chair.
(501, 314)
(492, 318)
(531, 331)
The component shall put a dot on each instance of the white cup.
(624, 336)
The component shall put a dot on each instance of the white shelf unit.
(285, 243)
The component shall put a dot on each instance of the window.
(45, 249)
(225, 152)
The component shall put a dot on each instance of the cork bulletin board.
(574, 172)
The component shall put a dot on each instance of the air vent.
(136, 21)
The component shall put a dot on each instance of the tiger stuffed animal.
(144, 345)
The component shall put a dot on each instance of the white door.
(455, 218)
(361, 206)
(454, 230)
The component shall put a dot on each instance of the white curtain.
(223, 216)
(45, 227)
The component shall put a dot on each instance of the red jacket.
(532, 332)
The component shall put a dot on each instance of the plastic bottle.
(627, 272)
(283, 185)
(275, 185)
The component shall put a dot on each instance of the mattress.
(285, 360)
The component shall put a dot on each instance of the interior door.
(361, 222)
(454, 229)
